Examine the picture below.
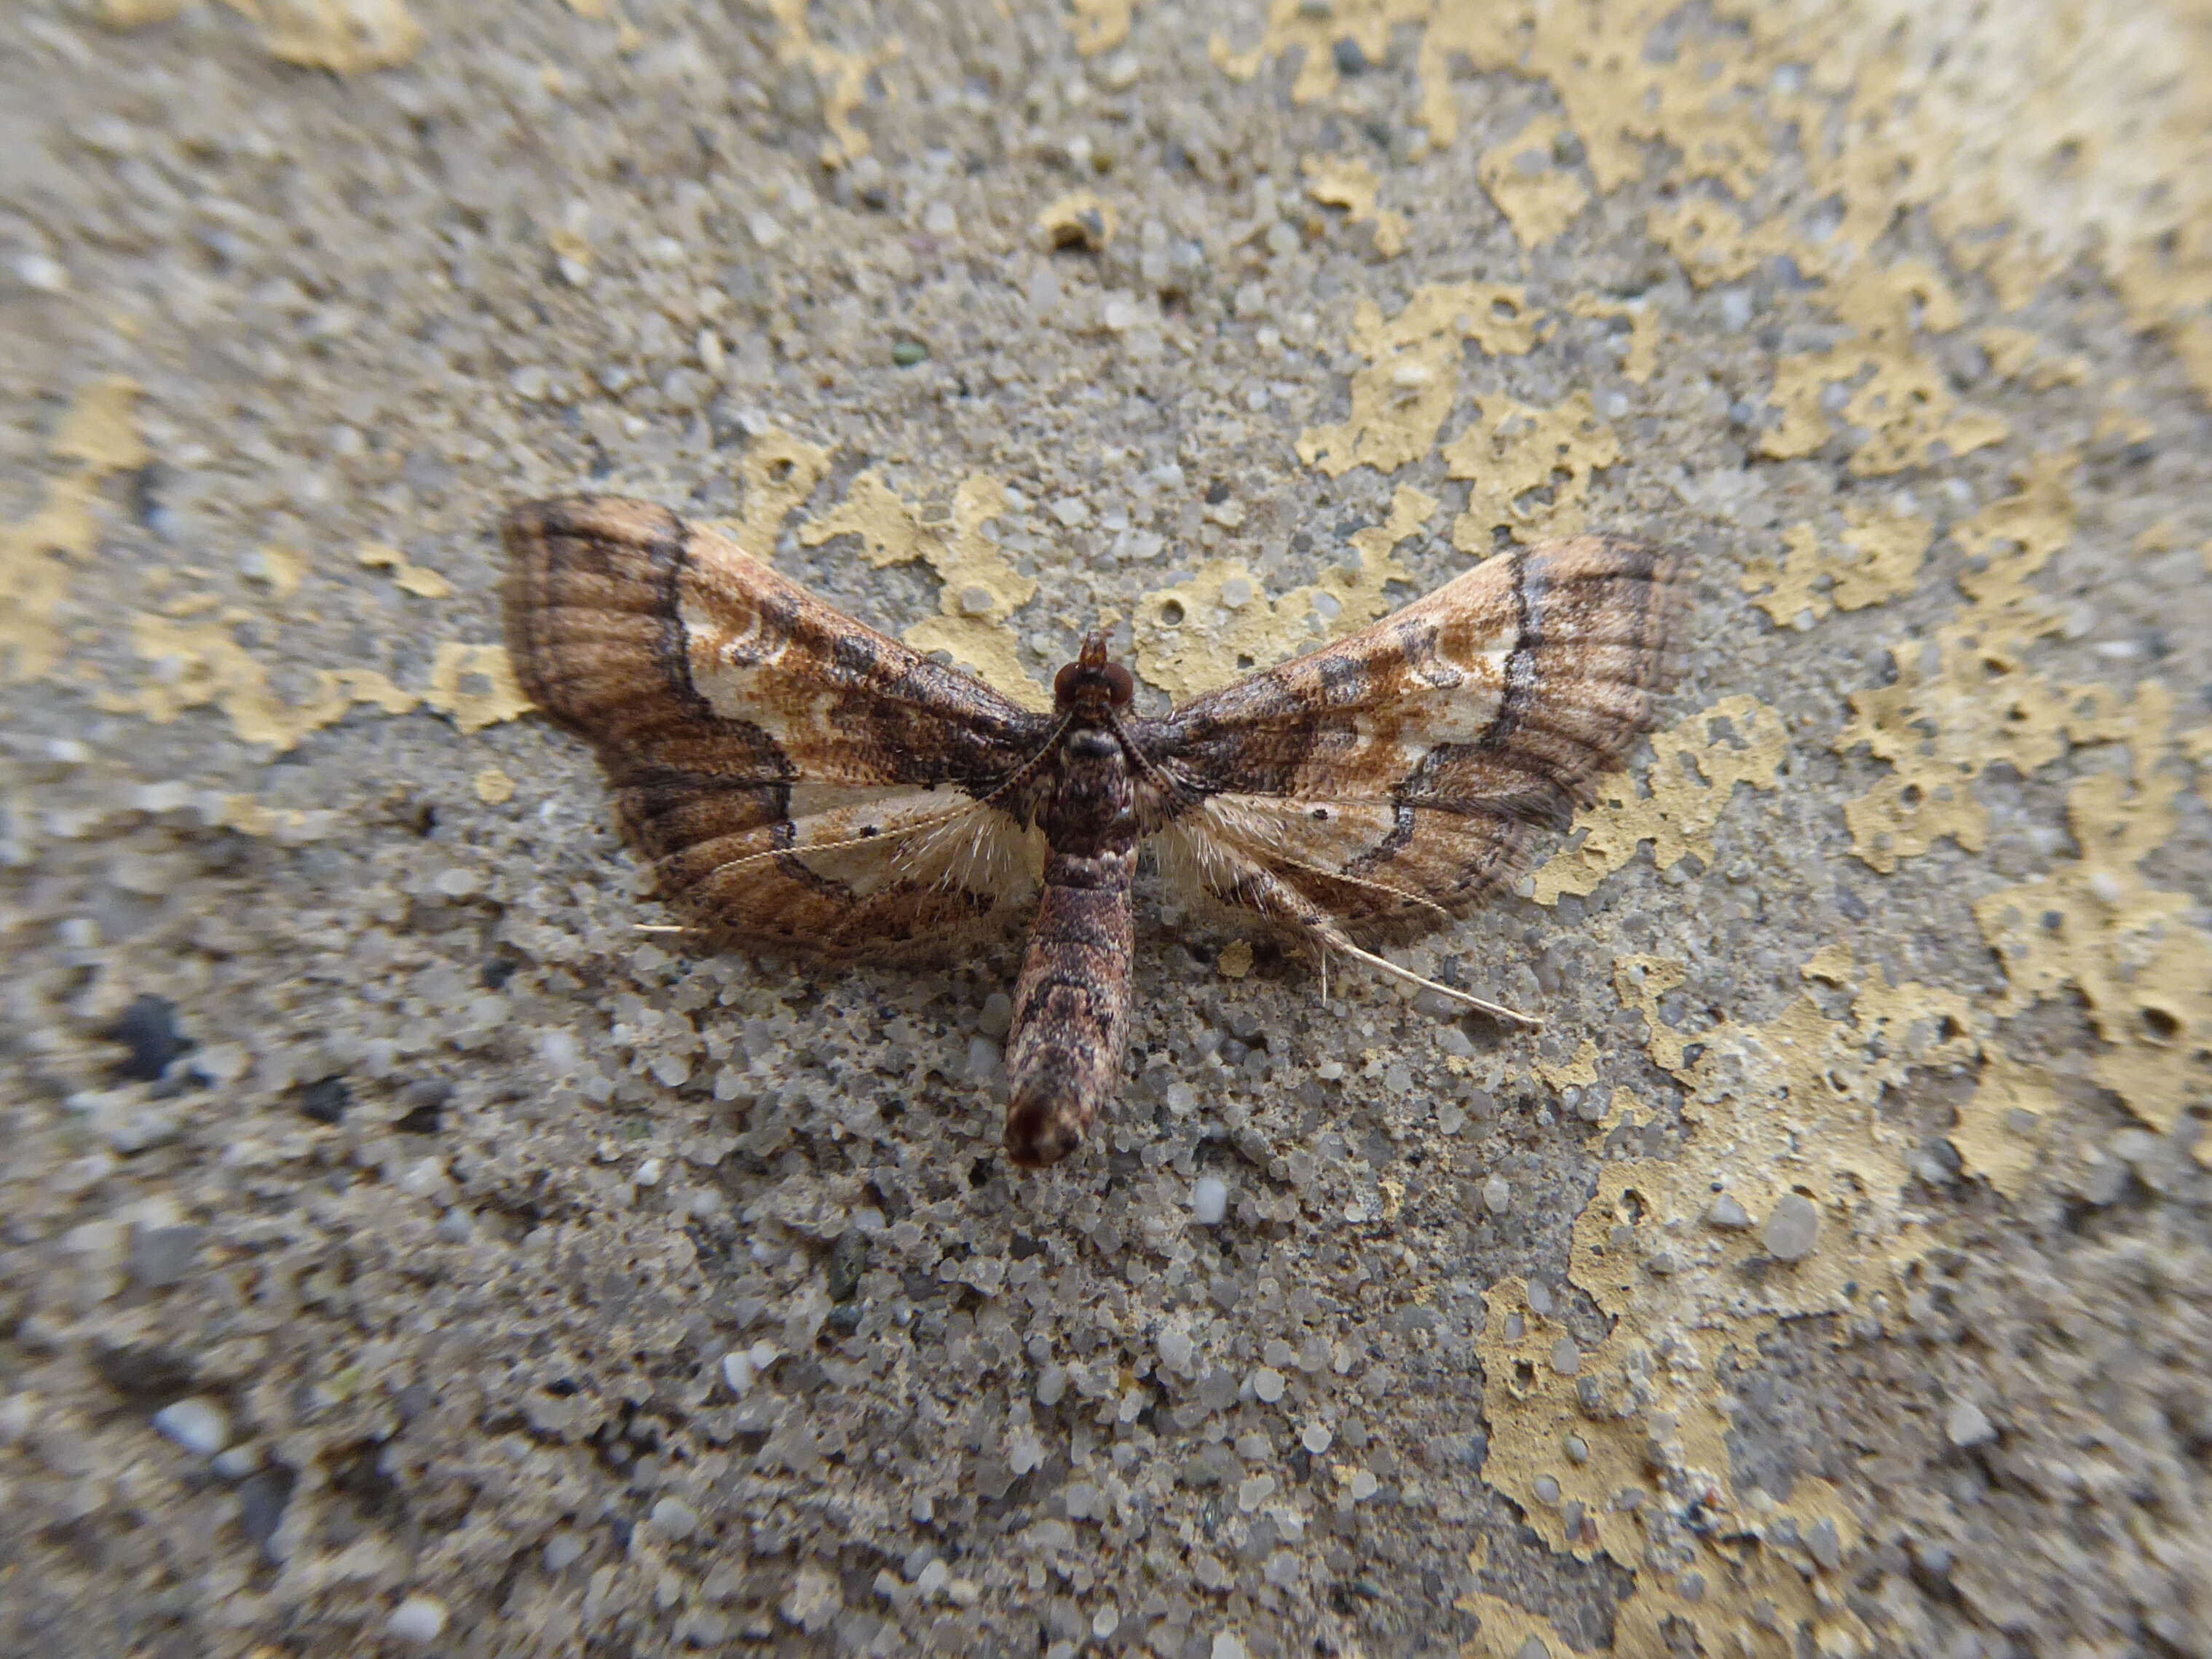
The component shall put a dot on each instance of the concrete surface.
(402, 1252)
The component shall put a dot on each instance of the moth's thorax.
(1091, 808)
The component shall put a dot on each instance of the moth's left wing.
(1396, 775)
(796, 777)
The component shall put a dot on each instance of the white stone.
(420, 1619)
(200, 1426)
(1209, 1200)
(1969, 1426)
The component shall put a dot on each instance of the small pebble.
(1496, 1195)
(673, 1518)
(905, 353)
(161, 1256)
(420, 1619)
(1726, 1213)
(1793, 1229)
(563, 1550)
(1209, 1200)
(1267, 1384)
(200, 1426)
(1969, 1426)
(1317, 1438)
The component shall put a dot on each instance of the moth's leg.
(1070, 1006)
(1259, 889)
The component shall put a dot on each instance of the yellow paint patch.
(474, 685)
(1080, 219)
(409, 578)
(981, 589)
(776, 473)
(1099, 24)
(1530, 469)
(1884, 554)
(1693, 778)
(2097, 926)
(97, 437)
(280, 569)
(1580, 1072)
(1503, 1630)
(1715, 245)
(1789, 1107)
(1966, 700)
(842, 77)
(1900, 395)
(346, 37)
(1347, 182)
(100, 431)
(2002, 1130)
(1643, 333)
(1192, 638)
(1539, 194)
(494, 787)
(136, 14)
(1235, 959)
(201, 664)
(1399, 400)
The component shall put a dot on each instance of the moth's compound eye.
(1063, 683)
(1121, 686)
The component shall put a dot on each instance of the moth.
(799, 780)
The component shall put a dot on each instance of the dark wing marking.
(796, 777)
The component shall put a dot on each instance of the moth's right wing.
(1395, 776)
(796, 778)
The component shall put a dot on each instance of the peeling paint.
(1539, 193)
(1080, 218)
(2001, 1129)
(1970, 687)
(1529, 469)
(1205, 633)
(1100, 25)
(346, 37)
(96, 438)
(1884, 554)
(2096, 925)
(1693, 778)
(1399, 400)
(409, 578)
(981, 590)
(841, 76)
(1791, 1106)
(1349, 183)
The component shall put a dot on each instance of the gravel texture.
(401, 1251)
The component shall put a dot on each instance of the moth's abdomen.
(1070, 1006)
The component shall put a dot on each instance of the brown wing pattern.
(1396, 775)
(795, 776)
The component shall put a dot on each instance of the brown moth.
(799, 780)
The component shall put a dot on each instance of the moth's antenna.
(1480, 1005)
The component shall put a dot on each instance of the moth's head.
(1091, 688)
